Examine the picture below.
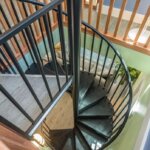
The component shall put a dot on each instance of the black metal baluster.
(104, 64)
(51, 49)
(117, 129)
(32, 33)
(4, 66)
(1, 69)
(110, 69)
(121, 103)
(19, 47)
(117, 87)
(84, 47)
(30, 51)
(44, 41)
(99, 53)
(36, 44)
(11, 55)
(62, 39)
(12, 100)
(114, 78)
(70, 33)
(119, 113)
(92, 46)
(115, 124)
(23, 32)
(120, 95)
(51, 31)
(9, 64)
(38, 60)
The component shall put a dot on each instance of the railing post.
(76, 52)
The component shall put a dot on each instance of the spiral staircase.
(91, 75)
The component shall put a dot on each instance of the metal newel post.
(76, 53)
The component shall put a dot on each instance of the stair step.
(94, 93)
(91, 137)
(92, 130)
(35, 70)
(86, 79)
(68, 144)
(60, 138)
(95, 117)
(82, 140)
(50, 66)
(100, 108)
(103, 126)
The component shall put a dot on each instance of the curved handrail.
(128, 82)
(19, 27)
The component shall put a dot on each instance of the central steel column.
(76, 53)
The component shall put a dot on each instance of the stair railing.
(115, 80)
(110, 72)
(9, 61)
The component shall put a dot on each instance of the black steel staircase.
(101, 96)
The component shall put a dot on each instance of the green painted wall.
(42, 51)
(135, 59)
(131, 57)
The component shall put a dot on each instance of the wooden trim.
(5, 27)
(41, 18)
(124, 2)
(129, 44)
(131, 19)
(147, 42)
(13, 140)
(83, 5)
(13, 17)
(99, 14)
(142, 25)
(54, 14)
(90, 11)
(36, 25)
(21, 10)
(54, 17)
(109, 15)
(63, 8)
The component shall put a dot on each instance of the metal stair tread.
(82, 142)
(103, 126)
(101, 108)
(94, 93)
(86, 79)
(90, 137)
(35, 70)
(59, 135)
(79, 145)
(50, 66)
(68, 144)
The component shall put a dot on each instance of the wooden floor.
(17, 88)
(61, 117)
